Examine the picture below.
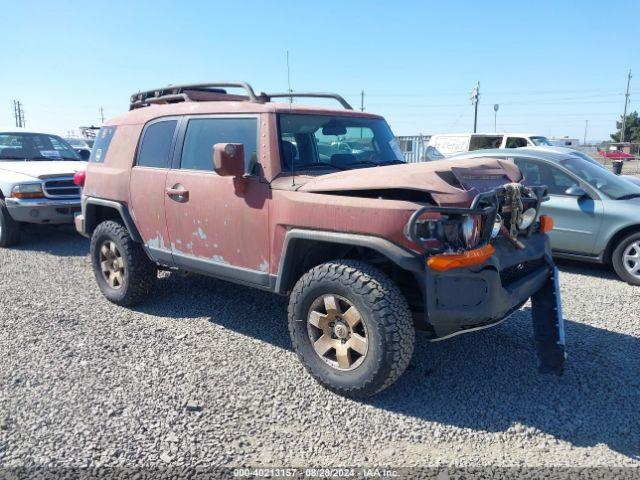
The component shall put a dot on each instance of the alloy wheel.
(112, 264)
(337, 332)
(631, 258)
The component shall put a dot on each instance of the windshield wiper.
(315, 164)
(629, 196)
(393, 162)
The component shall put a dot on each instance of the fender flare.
(402, 257)
(122, 210)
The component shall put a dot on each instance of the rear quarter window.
(101, 145)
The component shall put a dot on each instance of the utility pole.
(586, 126)
(362, 101)
(102, 114)
(475, 96)
(626, 102)
(495, 117)
(18, 114)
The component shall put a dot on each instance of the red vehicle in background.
(615, 154)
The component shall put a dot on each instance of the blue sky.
(550, 65)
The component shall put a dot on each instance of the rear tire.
(351, 327)
(9, 228)
(122, 269)
(626, 259)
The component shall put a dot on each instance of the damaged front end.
(484, 262)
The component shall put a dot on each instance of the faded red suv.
(317, 204)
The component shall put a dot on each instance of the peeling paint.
(156, 242)
(219, 259)
(264, 265)
(200, 233)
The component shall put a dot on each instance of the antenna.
(293, 170)
(289, 77)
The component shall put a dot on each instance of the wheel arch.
(305, 249)
(97, 210)
(615, 239)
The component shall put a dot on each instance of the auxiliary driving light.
(527, 218)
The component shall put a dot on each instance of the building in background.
(564, 142)
(413, 147)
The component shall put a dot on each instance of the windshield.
(605, 181)
(540, 141)
(336, 142)
(35, 146)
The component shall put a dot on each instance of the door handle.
(178, 193)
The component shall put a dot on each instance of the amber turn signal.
(546, 223)
(21, 195)
(461, 260)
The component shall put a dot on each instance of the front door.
(218, 225)
(576, 220)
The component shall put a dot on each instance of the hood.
(44, 169)
(448, 182)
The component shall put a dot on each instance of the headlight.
(455, 232)
(470, 227)
(527, 218)
(27, 190)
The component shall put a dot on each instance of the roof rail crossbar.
(175, 93)
(335, 96)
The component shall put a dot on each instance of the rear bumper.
(42, 210)
(466, 299)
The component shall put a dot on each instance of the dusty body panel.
(427, 177)
(335, 213)
(225, 220)
(110, 178)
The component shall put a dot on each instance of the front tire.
(122, 269)
(9, 228)
(351, 327)
(626, 259)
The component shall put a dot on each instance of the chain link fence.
(604, 155)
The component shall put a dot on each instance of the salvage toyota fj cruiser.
(317, 204)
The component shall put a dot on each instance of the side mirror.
(228, 159)
(84, 154)
(576, 191)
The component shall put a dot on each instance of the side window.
(101, 145)
(560, 181)
(531, 171)
(203, 133)
(516, 142)
(155, 149)
(536, 173)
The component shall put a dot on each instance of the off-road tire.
(388, 321)
(9, 228)
(140, 273)
(618, 262)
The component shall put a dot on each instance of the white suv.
(36, 181)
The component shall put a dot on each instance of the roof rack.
(335, 96)
(206, 92)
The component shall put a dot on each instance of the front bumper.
(466, 299)
(42, 210)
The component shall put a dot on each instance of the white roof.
(494, 134)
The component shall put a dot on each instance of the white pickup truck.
(36, 181)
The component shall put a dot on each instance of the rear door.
(147, 185)
(576, 220)
(218, 225)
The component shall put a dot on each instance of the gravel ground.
(203, 374)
